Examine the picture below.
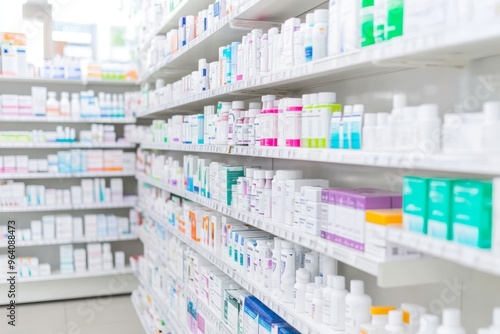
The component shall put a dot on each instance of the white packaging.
(357, 308)
(39, 98)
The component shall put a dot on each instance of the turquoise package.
(415, 194)
(472, 213)
(439, 216)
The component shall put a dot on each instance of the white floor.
(106, 315)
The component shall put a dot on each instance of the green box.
(415, 195)
(472, 213)
(439, 214)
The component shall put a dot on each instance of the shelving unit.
(56, 276)
(92, 206)
(453, 47)
(144, 322)
(26, 176)
(480, 164)
(117, 145)
(36, 243)
(79, 82)
(388, 273)
(39, 119)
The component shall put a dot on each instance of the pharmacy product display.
(67, 228)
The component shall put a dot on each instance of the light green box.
(472, 213)
(415, 195)
(439, 214)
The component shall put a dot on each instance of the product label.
(414, 223)
(466, 234)
(437, 229)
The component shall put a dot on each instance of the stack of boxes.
(64, 227)
(94, 256)
(449, 209)
(227, 180)
(66, 259)
(80, 260)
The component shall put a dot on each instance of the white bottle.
(272, 41)
(52, 104)
(327, 300)
(279, 192)
(320, 34)
(327, 265)
(264, 53)
(323, 122)
(311, 263)
(338, 299)
(75, 106)
(382, 132)
(264, 261)
(303, 278)
(266, 202)
(395, 323)
(249, 128)
(267, 277)
(308, 37)
(407, 134)
(238, 107)
(299, 256)
(287, 271)
(309, 297)
(491, 126)
(346, 127)
(298, 45)
(451, 322)
(429, 128)
(369, 132)
(317, 306)
(276, 271)
(65, 107)
(260, 176)
(357, 307)
(428, 324)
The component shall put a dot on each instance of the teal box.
(439, 214)
(472, 213)
(415, 195)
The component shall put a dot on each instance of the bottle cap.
(348, 110)
(303, 276)
(358, 109)
(306, 100)
(310, 19)
(269, 174)
(314, 99)
(294, 102)
(491, 111)
(330, 280)
(451, 317)
(382, 118)
(357, 287)
(410, 113)
(249, 172)
(395, 317)
(428, 111)
(327, 98)
(321, 15)
(255, 105)
(370, 119)
(318, 281)
(238, 105)
(399, 101)
(273, 31)
(339, 283)
(428, 324)
(381, 310)
(259, 174)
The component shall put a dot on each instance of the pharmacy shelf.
(26, 176)
(41, 119)
(286, 311)
(469, 257)
(57, 276)
(78, 82)
(93, 206)
(146, 325)
(171, 21)
(115, 145)
(470, 164)
(450, 47)
(35, 243)
(389, 273)
(207, 45)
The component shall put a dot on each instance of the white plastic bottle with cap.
(369, 132)
(276, 267)
(395, 324)
(429, 128)
(357, 307)
(238, 107)
(327, 265)
(266, 200)
(317, 306)
(249, 128)
(65, 108)
(428, 324)
(356, 126)
(491, 126)
(322, 127)
(320, 34)
(451, 322)
(382, 132)
(303, 278)
(327, 300)
(287, 271)
(338, 299)
(279, 191)
(406, 132)
(346, 127)
(260, 177)
(311, 263)
(75, 105)
(308, 37)
(306, 109)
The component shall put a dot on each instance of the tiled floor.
(107, 315)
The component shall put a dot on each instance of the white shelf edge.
(480, 164)
(24, 176)
(81, 82)
(125, 237)
(469, 257)
(370, 56)
(68, 207)
(123, 145)
(40, 119)
(145, 325)
(299, 321)
(87, 274)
